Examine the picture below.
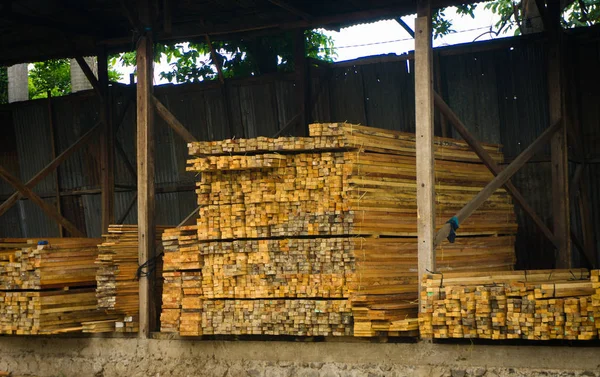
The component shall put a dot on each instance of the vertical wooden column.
(560, 165)
(145, 181)
(424, 138)
(107, 148)
(301, 71)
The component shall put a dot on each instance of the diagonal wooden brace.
(49, 210)
(50, 167)
(172, 121)
(491, 164)
(498, 181)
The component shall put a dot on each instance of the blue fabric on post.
(453, 226)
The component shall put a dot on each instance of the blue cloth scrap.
(42, 243)
(453, 226)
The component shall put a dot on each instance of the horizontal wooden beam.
(491, 164)
(51, 167)
(292, 9)
(49, 210)
(172, 121)
(498, 181)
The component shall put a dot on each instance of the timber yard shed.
(74, 168)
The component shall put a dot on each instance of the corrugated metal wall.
(498, 89)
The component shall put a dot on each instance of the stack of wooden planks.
(328, 221)
(534, 305)
(117, 289)
(47, 286)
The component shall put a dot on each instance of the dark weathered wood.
(50, 167)
(215, 59)
(107, 148)
(89, 74)
(128, 209)
(189, 219)
(167, 17)
(292, 9)
(559, 149)
(301, 73)
(405, 26)
(424, 113)
(53, 154)
(499, 180)
(491, 164)
(145, 182)
(172, 121)
(49, 210)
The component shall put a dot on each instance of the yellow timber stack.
(47, 288)
(317, 235)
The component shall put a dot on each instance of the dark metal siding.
(498, 89)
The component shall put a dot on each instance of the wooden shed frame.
(143, 18)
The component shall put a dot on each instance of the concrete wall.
(78, 80)
(18, 86)
(131, 357)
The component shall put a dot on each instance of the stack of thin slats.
(327, 218)
(535, 305)
(47, 288)
(117, 281)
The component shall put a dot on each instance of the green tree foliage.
(512, 17)
(193, 62)
(52, 76)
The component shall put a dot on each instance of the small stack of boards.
(533, 305)
(323, 228)
(47, 288)
(117, 289)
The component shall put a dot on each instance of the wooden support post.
(49, 210)
(172, 121)
(301, 71)
(83, 140)
(107, 148)
(145, 181)
(53, 150)
(424, 139)
(560, 165)
(215, 59)
(499, 180)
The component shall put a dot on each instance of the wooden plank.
(301, 74)
(47, 208)
(172, 121)
(424, 113)
(107, 154)
(53, 149)
(145, 182)
(559, 148)
(215, 59)
(499, 180)
(50, 167)
(89, 74)
(491, 164)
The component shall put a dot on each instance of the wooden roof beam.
(292, 9)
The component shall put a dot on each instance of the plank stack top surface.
(47, 288)
(323, 223)
(117, 283)
(533, 305)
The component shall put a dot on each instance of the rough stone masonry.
(81, 357)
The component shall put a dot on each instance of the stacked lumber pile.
(117, 289)
(535, 305)
(47, 288)
(328, 221)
